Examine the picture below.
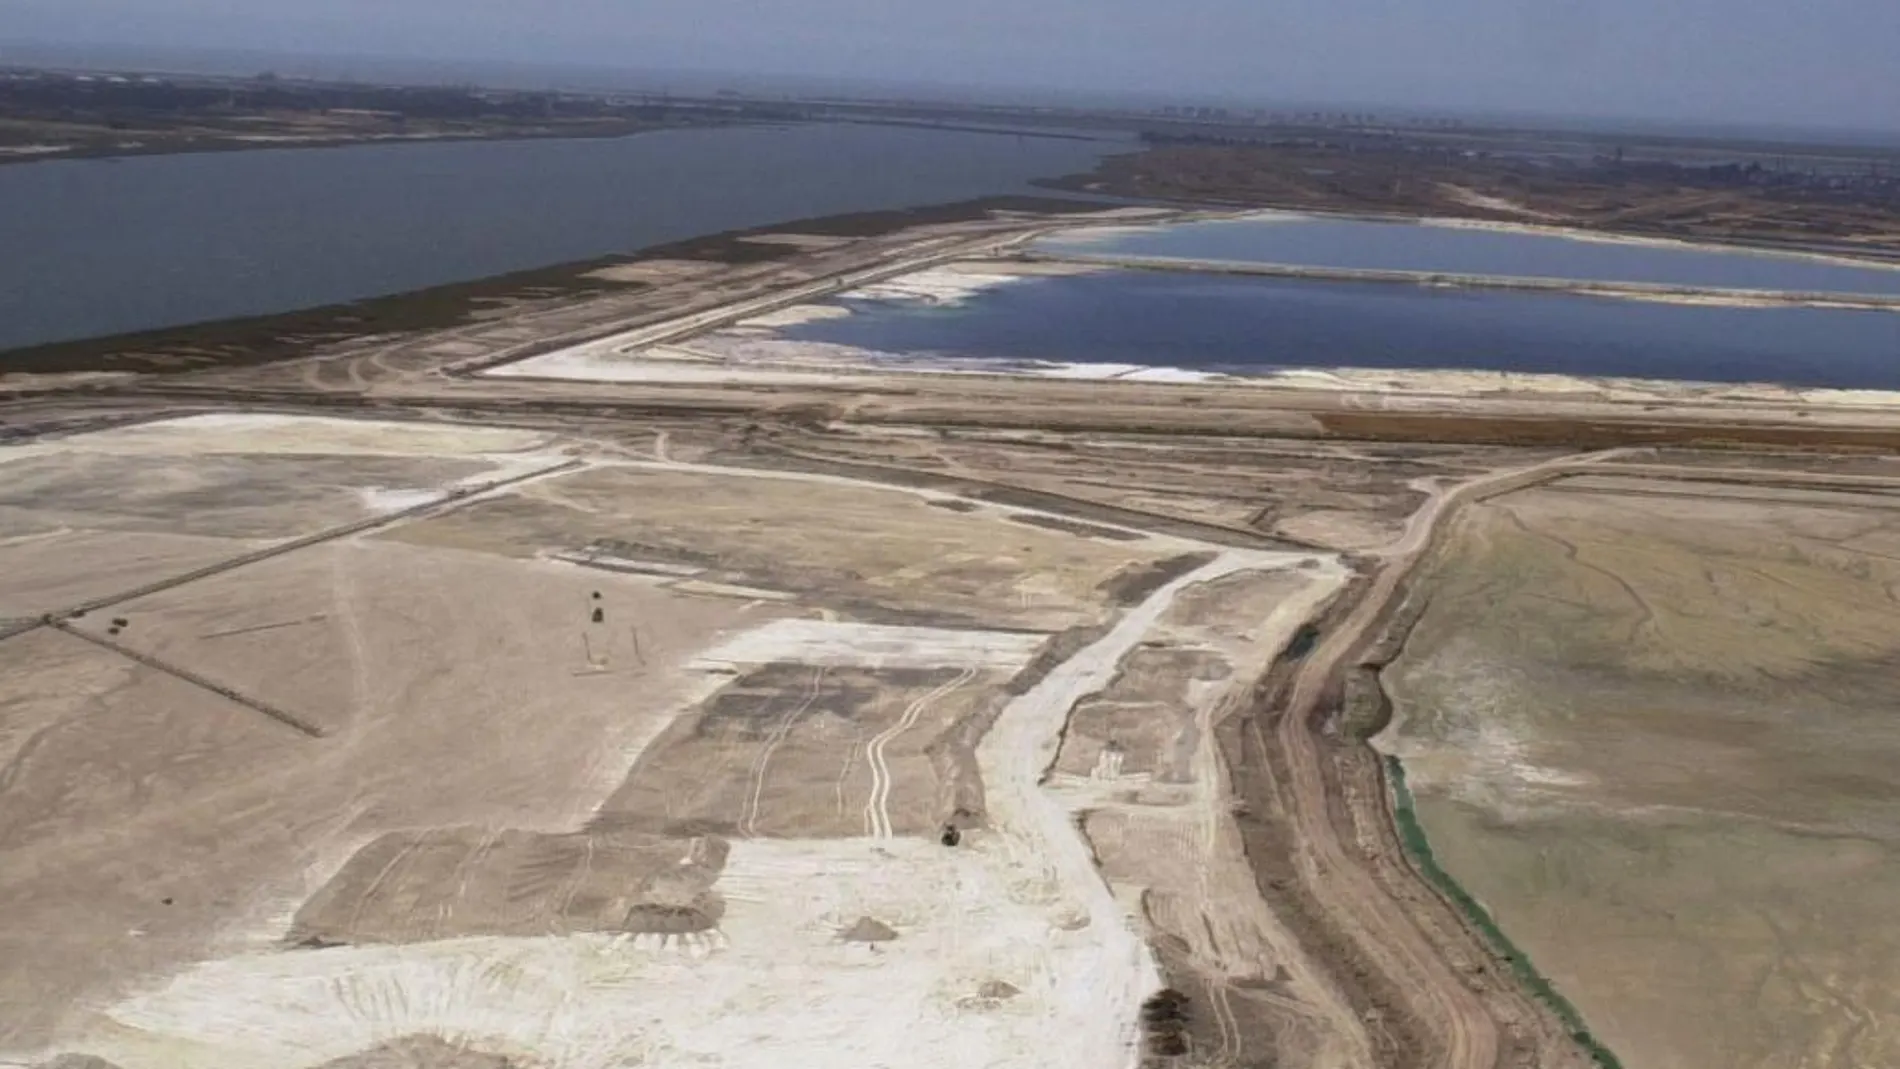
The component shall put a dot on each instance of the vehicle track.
(749, 819)
(877, 814)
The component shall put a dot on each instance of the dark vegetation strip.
(1419, 847)
(266, 338)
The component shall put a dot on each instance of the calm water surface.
(95, 247)
(1350, 243)
(1231, 324)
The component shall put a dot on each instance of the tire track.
(749, 819)
(877, 814)
(401, 857)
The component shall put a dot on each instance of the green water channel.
(1419, 847)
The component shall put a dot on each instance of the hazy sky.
(1832, 62)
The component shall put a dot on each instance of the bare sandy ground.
(60, 566)
(784, 988)
(1466, 195)
(655, 271)
(750, 360)
(263, 433)
(909, 559)
(450, 692)
(1119, 973)
(152, 820)
(408, 783)
(819, 642)
(819, 750)
(85, 516)
(1019, 913)
(1599, 237)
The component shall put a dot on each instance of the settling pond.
(1463, 250)
(1233, 324)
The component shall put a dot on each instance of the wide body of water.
(1399, 246)
(97, 247)
(1249, 325)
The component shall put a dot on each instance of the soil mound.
(868, 930)
(424, 1052)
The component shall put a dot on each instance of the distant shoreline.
(49, 153)
(265, 142)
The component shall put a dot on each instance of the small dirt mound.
(77, 1061)
(669, 919)
(424, 1052)
(1164, 1023)
(998, 990)
(868, 930)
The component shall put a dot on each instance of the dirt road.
(1468, 1036)
(1015, 756)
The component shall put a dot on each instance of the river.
(97, 247)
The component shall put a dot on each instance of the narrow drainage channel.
(1419, 847)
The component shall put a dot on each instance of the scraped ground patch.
(797, 750)
(856, 645)
(785, 989)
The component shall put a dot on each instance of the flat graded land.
(463, 751)
(779, 531)
(1647, 726)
